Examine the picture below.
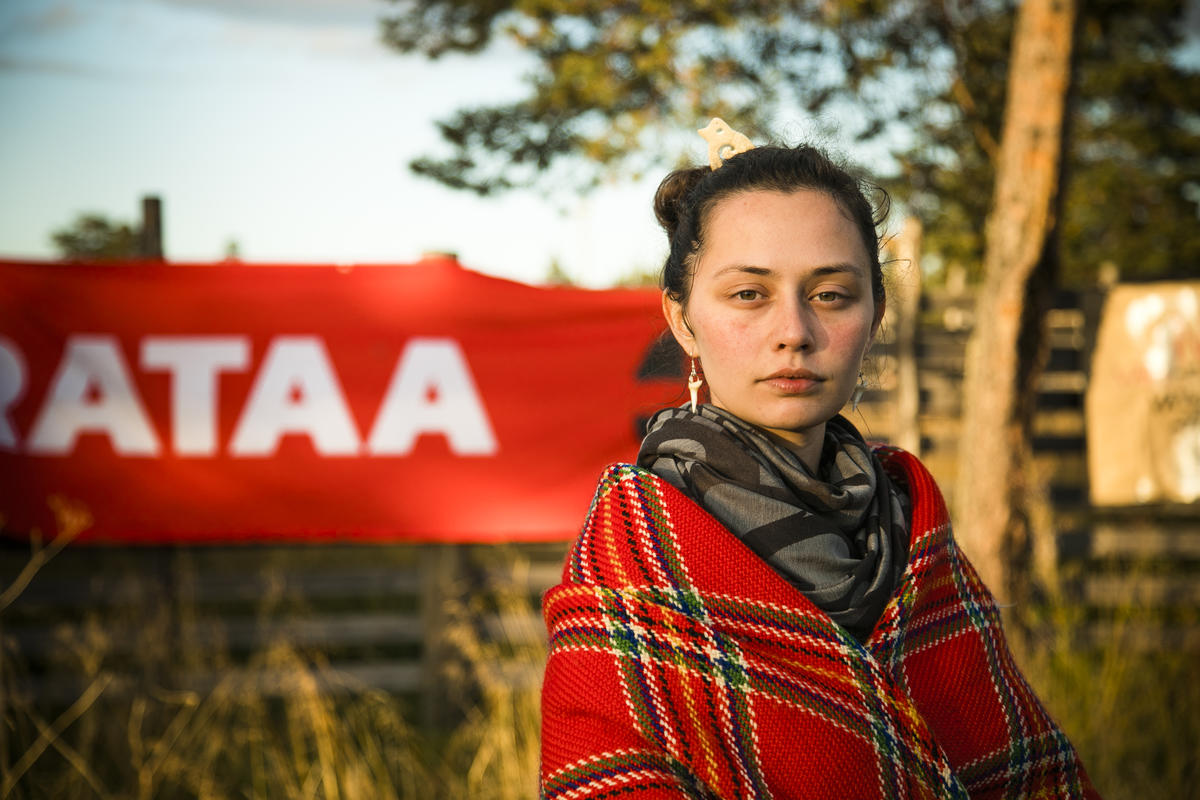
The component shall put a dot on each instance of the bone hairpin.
(723, 142)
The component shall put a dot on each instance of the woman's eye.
(829, 297)
(747, 295)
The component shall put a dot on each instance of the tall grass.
(1130, 705)
(282, 723)
(496, 747)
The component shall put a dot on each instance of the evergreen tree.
(94, 237)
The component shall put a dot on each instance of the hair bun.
(669, 199)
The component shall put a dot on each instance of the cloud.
(20, 20)
(292, 12)
(345, 30)
(43, 65)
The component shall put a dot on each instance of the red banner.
(210, 403)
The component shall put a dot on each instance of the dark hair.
(686, 197)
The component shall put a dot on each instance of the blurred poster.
(1143, 400)
(230, 402)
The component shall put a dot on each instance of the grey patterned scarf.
(839, 536)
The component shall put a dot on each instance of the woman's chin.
(791, 425)
(798, 414)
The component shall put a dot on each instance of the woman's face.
(780, 312)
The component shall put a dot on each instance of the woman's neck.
(807, 445)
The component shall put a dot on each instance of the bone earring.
(857, 396)
(695, 381)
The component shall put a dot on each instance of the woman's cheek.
(719, 333)
(853, 336)
(732, 346)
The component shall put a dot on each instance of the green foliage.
(618, 82)
(94, 237)
(1135, 146)
(557, 276)
(639, 278)
(624, 84)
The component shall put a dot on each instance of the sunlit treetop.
(619, 88)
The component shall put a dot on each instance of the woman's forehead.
(773, 233)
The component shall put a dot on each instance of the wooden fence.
(388, 617)
(1136, 566)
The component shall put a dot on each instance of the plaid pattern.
(682, 666)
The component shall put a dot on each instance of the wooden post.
(906, 288)
(150, 242)
(440, 567)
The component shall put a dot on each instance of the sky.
(282, 125)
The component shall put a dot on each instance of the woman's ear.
(880, 308)
(677, 321)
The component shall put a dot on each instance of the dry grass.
(1131, 710)
(283, 736)
(494, 753)
(283, 724)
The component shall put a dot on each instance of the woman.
(765, 606)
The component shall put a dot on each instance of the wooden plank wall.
(1136, 568)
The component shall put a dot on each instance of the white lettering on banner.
(432, 391)
(296, 391)
(194, 363)
(12, 386)
(93, 363)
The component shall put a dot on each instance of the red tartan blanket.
(681, 665)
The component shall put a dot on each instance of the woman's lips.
(789, 381)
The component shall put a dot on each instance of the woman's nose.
(793, 325)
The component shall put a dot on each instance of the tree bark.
(1002, 362)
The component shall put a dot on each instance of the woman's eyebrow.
(743, 268)
(827, 269)
(833, 269)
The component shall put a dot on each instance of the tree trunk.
(993, 506)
